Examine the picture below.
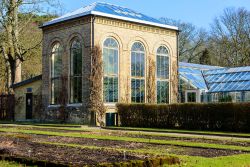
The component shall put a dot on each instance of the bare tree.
(229, 40)
(96, 104)
(11, 49)
(191, 40)
(205, 57)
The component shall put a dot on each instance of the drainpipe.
(93, 31)
(92, 43)
(177, 49)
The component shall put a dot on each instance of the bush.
(192, 116)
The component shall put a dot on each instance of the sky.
(199, 12)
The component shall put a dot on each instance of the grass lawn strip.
(40, 124)
(229, 134)
(86, 129)
(45, 127)
(9, 164)
(242, 160)
(154, 134)
(129, 139)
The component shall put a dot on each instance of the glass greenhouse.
(203, 83)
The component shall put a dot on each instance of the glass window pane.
(138, 90)
(76, 72)
(162, 63)
(55, 90)
(76, 90)
(56, 72)
(110, 59)
(162, 92)
(137, 60)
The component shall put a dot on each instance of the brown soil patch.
(63, 155)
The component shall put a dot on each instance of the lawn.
(9, 164)
(76, 145)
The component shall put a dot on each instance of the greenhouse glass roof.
(192, 73)
(216, 79)
(228, 79)
(111, 11)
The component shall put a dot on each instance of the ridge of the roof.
(199, 66)
(112, 11)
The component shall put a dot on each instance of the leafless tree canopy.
(226, 44)
(230, 38)
(191, 40)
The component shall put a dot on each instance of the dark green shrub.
(193, 116)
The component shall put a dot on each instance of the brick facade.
(93, 31)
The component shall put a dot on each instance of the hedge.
(234, 117)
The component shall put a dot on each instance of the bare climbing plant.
(96, 100)
(151, 94)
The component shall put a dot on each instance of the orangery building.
(139, 55)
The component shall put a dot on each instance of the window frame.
(158, 79)
(139, 78)
(53, 79)
(71, 71)
(113, 75)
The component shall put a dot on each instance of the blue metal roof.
(112, 11)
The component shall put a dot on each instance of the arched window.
(110, 80)
(56, 72)
(162, 75)
(138, 73)
(76, 72)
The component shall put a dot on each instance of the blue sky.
(199, 12)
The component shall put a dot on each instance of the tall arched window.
(162, 75)
(76, 72)
(110, 80)
(138, 73)
(56, 72)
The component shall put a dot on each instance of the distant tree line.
(227, 43)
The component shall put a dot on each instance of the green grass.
(242, 160)
(146, 133)
(150, 134)
(44, 125)
(9, 164)
(129, 139)
(230, 134)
